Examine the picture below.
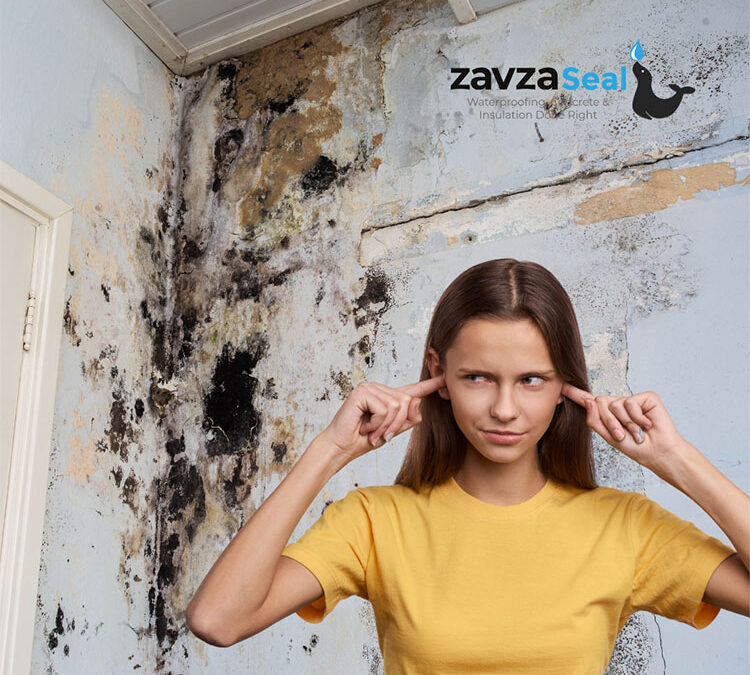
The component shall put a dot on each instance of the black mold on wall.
(181, 500)
(60, 628)
(320, 177)
(69, 324)
(228, 406)
(218, 270)
(375, 299)
(225, 152)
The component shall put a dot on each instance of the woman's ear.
(433, 365)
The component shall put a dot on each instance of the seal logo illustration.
(645, 103)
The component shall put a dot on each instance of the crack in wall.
(566, 180)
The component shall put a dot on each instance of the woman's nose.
(504, 407)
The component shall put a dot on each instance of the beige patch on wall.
(81, 465)
(292, 141)
(661, 189)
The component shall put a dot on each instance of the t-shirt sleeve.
(336, 549)
(673, 562)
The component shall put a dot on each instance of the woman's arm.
(251, 586)
(229, 602)
(661, 449)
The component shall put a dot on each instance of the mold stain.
(55, 635)
(228, 406)
(308, 648)
(181, 497)
(375, 299)
(661, 189)
(70, 323)
(295, 116)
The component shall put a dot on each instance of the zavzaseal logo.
(646, 104)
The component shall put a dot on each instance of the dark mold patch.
(162, 215)
(70, 324)
(250, 275)
(320, 295)
(188, 321)
(375, 300)
(320, 177)
(363, 347)
(344, 383)
(121, 431)
(371, 653)
(279, 452)
(633, 650)
(129, 493)
(182, 500)
(269, 390)
(59, 629)
(226, 71)
(159, 355)
(105, 291)
(228, 407)
(311, 644)
(226, 149)
(190, 250)
(160, 396)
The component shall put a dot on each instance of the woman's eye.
(472, 375)
(533, 380)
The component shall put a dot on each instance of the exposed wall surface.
(88, 112)
(226, 294)
(333, 184)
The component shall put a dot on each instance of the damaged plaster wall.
(332, 185)
(255, 240)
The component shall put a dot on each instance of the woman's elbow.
(207, 629)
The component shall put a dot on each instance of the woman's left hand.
(637, 425)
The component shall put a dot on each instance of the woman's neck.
(500, 483)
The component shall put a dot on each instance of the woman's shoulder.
(601, 496)
(386, 496)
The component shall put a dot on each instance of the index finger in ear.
(575, 394)
(424, 387)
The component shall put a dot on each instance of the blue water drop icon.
(636, 52)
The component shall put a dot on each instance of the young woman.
(494, 551)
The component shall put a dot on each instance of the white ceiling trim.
(277, 27)
(463, 10)
(181, 60)
(152, 30)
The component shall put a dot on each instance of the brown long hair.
(505, 289)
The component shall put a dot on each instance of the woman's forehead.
(487, 342)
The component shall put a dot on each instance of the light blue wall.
(87, 111)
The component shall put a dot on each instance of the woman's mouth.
(503, 437)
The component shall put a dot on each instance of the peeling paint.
(661, 189)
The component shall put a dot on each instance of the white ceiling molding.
(463, 10)
(150, 28)
(188, 35)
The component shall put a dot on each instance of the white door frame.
(24, 517)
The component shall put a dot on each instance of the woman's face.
(502, 385)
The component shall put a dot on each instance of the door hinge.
(28, 323)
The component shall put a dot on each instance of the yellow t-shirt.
(459, 585)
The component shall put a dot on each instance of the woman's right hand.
(373, 414)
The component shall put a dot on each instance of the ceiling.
(188, 35)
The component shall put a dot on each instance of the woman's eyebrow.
(479, 371)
